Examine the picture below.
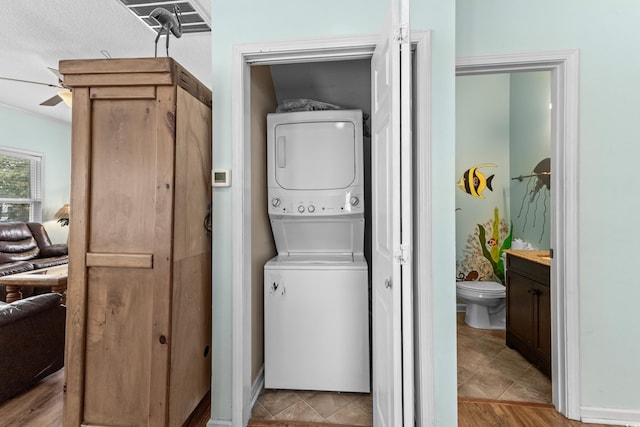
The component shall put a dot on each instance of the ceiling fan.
(63, 95)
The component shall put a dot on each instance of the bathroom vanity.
(529, 306)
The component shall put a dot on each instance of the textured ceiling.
(36, 34)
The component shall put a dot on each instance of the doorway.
(292, 86)
(563, 67)
(246, 387)
(503, 128)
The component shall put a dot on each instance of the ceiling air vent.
(192, 18)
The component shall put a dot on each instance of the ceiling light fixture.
(66, 97)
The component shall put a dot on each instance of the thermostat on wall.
(221, 177)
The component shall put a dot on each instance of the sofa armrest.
(15, 267)
(32, 346)
(21, 309)
(56, 250)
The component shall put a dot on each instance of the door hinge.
(402, 32)
(402, 256)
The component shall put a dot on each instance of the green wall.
(606, 34)
(530, 142)
(251, 21)
(27, 131)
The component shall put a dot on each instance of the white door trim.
(565, 322)
(424, 359)
(243, 56)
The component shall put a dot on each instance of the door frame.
(244, 393)
(565, 305)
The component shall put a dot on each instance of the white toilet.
(486, 308)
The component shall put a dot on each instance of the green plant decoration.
(494, 255)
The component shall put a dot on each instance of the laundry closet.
(341, 248)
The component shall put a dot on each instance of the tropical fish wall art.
(474, 182)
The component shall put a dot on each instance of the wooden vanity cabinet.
(139, 287)
(529, 311)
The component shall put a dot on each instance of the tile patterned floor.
(314, 406)
(488, 369)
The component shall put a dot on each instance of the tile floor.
(488, 369)
(314, 406)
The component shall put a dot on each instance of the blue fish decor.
(474, 182)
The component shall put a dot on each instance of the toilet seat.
(484, 288)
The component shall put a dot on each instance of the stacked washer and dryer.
(316, 297)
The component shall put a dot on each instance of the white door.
(391, 228)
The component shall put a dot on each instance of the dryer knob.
(311, 208)
(354, 201)
(300, 208)
(275, 202)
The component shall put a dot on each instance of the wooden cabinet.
(529, 311)
(139, 287)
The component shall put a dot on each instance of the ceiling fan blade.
(30, 81)
(56, 72)
(54, 100)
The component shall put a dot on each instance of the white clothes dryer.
(315, 164)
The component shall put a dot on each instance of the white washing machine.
(317, 323)
(316, 296)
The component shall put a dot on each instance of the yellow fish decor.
(474, 182)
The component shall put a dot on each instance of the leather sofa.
(25, 247)
(32, 332)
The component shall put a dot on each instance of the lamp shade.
(63, 212)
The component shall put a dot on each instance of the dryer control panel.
(348, 202)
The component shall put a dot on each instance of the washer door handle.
(388, 283)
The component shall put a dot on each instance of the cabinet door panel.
(519, 302)
(543, 325)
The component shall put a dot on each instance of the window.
(20, 186)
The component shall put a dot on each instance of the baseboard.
(257, 387)
(218, 423)
(461, 308)
(618, 417)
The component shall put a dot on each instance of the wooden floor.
(42, 407)
(492, 413)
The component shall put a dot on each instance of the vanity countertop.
(541, 257)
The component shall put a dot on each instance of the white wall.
(27, 131)
(245, 21)
(607, 34)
